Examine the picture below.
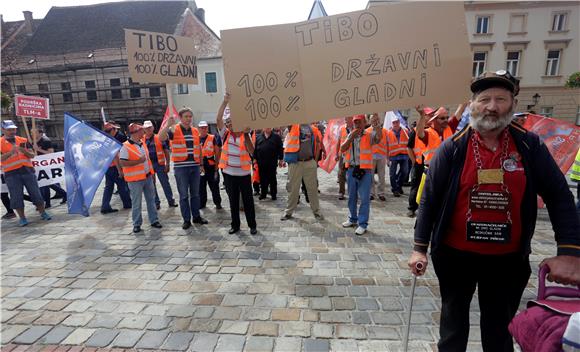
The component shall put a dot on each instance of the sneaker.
(200, 220)
(218, 207)
(156, 225)
(348, 224)
(360, 231)
(411, 213)
(136, 229)
(11, 215)
(108, 211)
(23, 222)
(319, 216)
(341, 196)
(186, 225)
(173, 205)
(286, 217)
(45, 216)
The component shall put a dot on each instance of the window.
(479, 63)
(559, 22)
(553, 63)
(21, 89)
(65, 86)
(210, 82)
(513, 62)
(67, 97)
(91, 92)
(482, 25)
(547, 111)
(154, 92)
(43, 90)
(116, 93)
(134, 91)
(517, 23)
(182, 89)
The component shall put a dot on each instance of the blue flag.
(465, 118)
(88, 152)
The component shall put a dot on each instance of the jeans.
(137, 189)
(418, 170)
(16, 182)
(500, 281)
(398, 173)
(211, 178)
(234, 186)
(187, 179)
(164, 180)
(359, 188)
(112, 178)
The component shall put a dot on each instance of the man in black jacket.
(270, 154)
(478, 212)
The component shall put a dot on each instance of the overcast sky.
(219, 14)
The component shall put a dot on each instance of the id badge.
(489, 232)
(489, 200)
(490, 176)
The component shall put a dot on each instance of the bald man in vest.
(359, 161)
(138, 173)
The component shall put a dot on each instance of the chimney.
(28, 21)
(200, 13)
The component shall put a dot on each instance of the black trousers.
(268, 178)
(211, 179)
(500, 280)
(418, 170)
(6, 202)
(234, 186)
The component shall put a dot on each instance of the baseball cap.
(500, 78)
(359, 117)
(202, 124)
(109, 125)
(135, 127)
(439, 112)
(147, 124)
(428, 111)
(8, 124)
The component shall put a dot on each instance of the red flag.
(331, 141)
(167, 114)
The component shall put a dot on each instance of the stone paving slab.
(79, 283)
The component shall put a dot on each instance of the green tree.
(573, 81)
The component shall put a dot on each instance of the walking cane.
(419, 267)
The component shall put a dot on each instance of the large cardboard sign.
(29, 106)
(49, 169)
(160, 58)
(384, 58)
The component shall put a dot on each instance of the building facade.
(87, 71)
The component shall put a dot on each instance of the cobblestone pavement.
(298, 285)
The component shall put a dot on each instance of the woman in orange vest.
(18, 172)
(186, 155)
(359, 161)
(236, 164)
(138, 173)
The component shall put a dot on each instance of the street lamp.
(535, 98)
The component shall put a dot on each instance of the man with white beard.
(478, 213)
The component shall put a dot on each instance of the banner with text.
(160, 58)
(49, 169)
(35, 107)
(359, 62)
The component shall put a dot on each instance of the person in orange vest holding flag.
(359, 161)
(236, 165)
(398, 157)
(187, 157)
(343, 133)
(138, 173)
(380, 155)
(302, 152)
(19, 172)
(159, 156)
(210, 150)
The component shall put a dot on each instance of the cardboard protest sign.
(160, 58)
(49, 170)
(35, 107)
(374, 60)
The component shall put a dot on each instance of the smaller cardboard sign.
(35, 107)
(160, 57)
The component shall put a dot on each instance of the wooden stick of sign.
(34, 135)
(27, 130)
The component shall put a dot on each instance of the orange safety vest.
(343, 136)
(293, 141)
(366, 151)
(381, 148)
(158, 148)
(245, 159)
(398, 147)
(208, 149)
(136, 172)
(435, 141)
(16, 161)
(255, 170)
(179, 149)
